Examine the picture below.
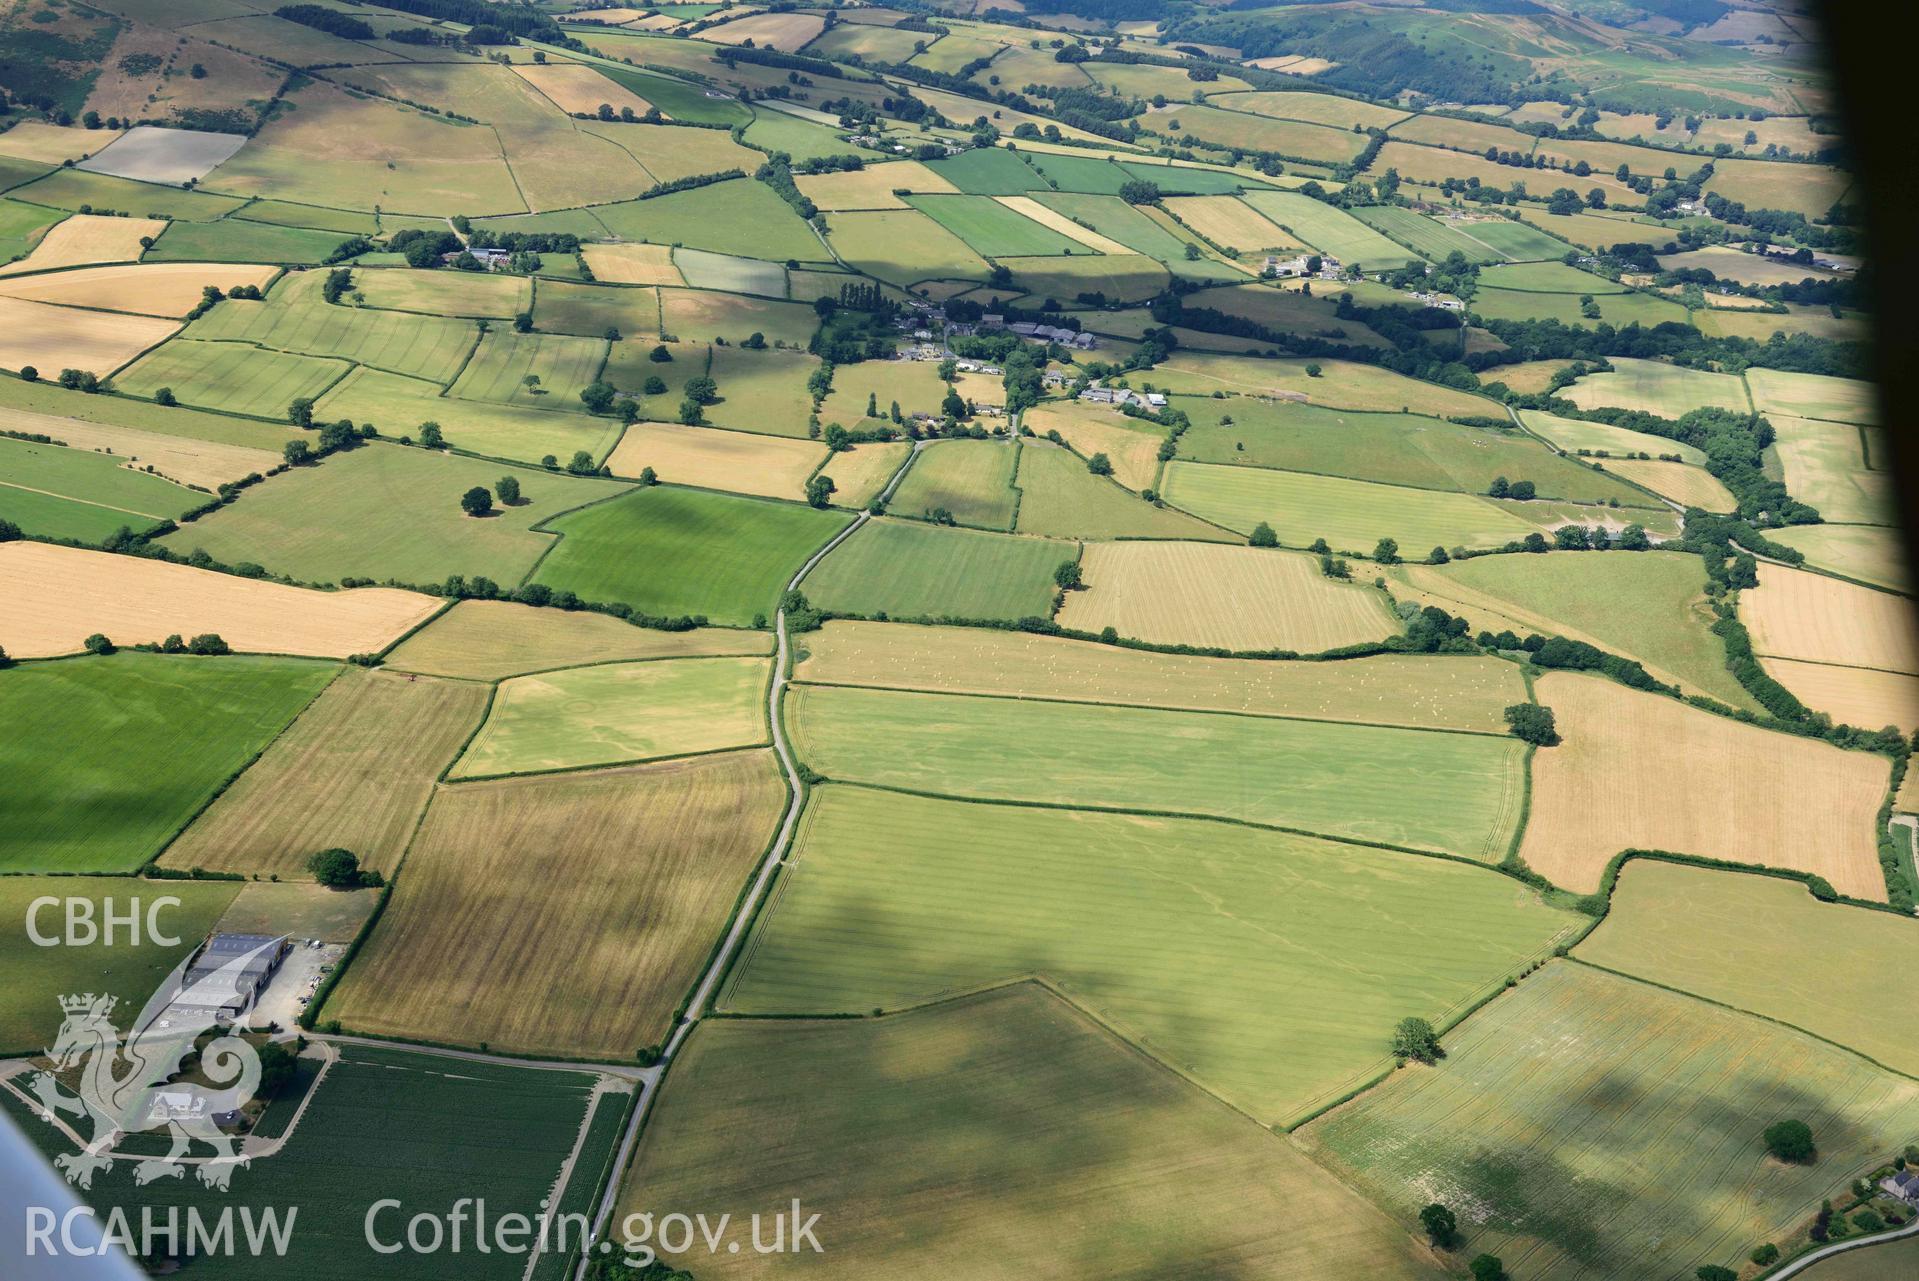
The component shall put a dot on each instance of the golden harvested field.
(1031, 208)
(488, 640)
(58, 596)
(354, 771)
(712, 458)
(1240, 598)
(632, 264)
(578, 89)
(1859, 696)
(183, 459)
(1684, 484)
(55, 338)
(871, 187)
(1643, 771)
(598, 897)
(858, 474)
(147, 289)
(787, 31)
(1230, 223)
(1004, 1136)
(1794, 613)
(88, 238)
(1391, 689)
(53, 144)
(1874, 554)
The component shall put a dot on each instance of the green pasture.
(295, 318)
(1648, 605)
(232, 377)
(1762, 944)
(128, 969)
(1669, 391)
(987, 171)
(1575, 434)
(1607, 1130)
(911, 570)
(71, 188)
(741, 217)
(615, 712)
(1330, 230)
(1459, 793)
(1616, 309)
(1518, 241)
(1271, 970)
(397, 406)
(105, 759)
(439, 292)
(46, 397)
(282, 213)
(1428, 236)
(561, 366)
(389, 511)
(1393, 449)
(901, 246)
(1873, 554)
(58, 492)
(760, 391)
(242, 240)
(972, 479)
(1060, 498)
(669, 552)
(563, 307)
(1351, 515)
(730, 273)
(991, 229)
(1089, 174)
(1112, 217)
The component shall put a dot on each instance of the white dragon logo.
(123, 1082)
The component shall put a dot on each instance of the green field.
(295, 318)
(1575, 434)
(987, 171)
(1331, 230)
(1016, 1113)
(1658, 388)
(741, 217)
(397, 406)
(972, 479)
(991, 229)
(232, 377)
(504, 360)
(106, 758)
(1238, 129)
(1110, 216)
(908, 570)
(1548, 278)
(1516, 240)
(669, 552)
(1459, 793)
(415, 1128)
(46, 397)
(58, 492)
(1845, 400)
(1393, 449)
(1429, 237)
(130, 970)
(901, 246)
(1180, 180)
(1596, 1127)
(71, 188)
(1059, 498)
(565, 308)
(1091, 175)
(387, 511)
(1616, 309)
(1871, 554)
(1764, 945)
(1649, 605)
(242, 240)
(494, 296)
(618, 712)
(1351, 515)
(1271, 970)
(730, 273)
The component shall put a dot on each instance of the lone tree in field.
(98, 644)
(508, 488)
(1067, 575)
(653, 386)
(1531, 723)
(819, 490)
(336, 869)
(430, 436)
(659, 355)
(1440, 1224)
(300, 412)
(476, 502)
(1100, 465)
(1415, 1039)
(1791, 1141)
(1263, 536)
(1386, 551)
(1715, 1272)
(1487, 1267)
